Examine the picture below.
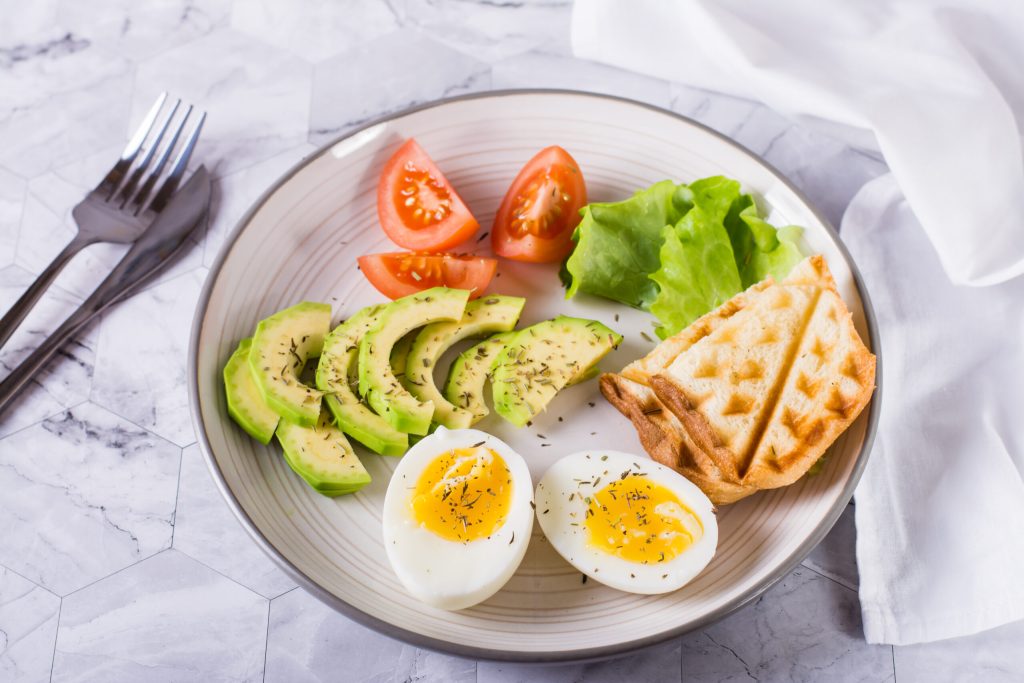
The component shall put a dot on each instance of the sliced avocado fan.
(544, 358)
(470, 371)
(280, 348)
(377, 381)
(245, 403)
(322, 456)
(337, 374)
(490, 314)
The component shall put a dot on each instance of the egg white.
(567, 483)
(448, 574)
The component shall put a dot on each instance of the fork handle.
(20, 310)
(109, 292)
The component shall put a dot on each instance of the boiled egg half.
(626, 521)
(457, 517)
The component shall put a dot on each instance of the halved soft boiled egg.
(457, 517)
(626, 521)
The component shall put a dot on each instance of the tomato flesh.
(541, 209)
(417, 206)
(399, 274)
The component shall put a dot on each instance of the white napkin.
(940, 509)
(937, 82)
(938, 87)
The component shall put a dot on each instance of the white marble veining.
(80, 91)
(60, 385)
(234, 193)
(158, 580)
(345, 97)
(996, 656)
(152, 330)
(659, 663)
(494, 30)
(321, 30)
(256, 96)
(28, 628)
(12, 198)
(205, 530)
(141, 30)
(545, 70)
(806, 628)
(82, 495)
(167, 618)
(311, 642)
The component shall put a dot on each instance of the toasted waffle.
(754, 393)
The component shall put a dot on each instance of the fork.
(120, 207)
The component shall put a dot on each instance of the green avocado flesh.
(245, 403)
(322, 456)
(400, 353)
(544, 358)
(280, 348)
(377, 381)
(483, 316)
(337, 375)
(468, 374)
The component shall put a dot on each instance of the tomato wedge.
(417, 206)
(400, 273)
(541, 209)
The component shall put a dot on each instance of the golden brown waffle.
(747, 399)
(662, 355)
(829, 383)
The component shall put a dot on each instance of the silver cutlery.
(123, 204)
(159, 227)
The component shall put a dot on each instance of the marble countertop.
(119, 561)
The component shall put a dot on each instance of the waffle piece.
(660, 432)
(735, 418)
(828, 385)
(666, 441)
(662, 355)
(725, 386)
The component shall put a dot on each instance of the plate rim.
(580, 655)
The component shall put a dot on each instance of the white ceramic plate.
(300, 241)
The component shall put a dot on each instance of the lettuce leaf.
(678, 250)
(617, 245)
(698, 270)
(760, 249)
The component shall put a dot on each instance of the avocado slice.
(400, 353)
(245, 403)
(490, 314)
(544, 358)
(322, 456)
(377, 382)
(280, 348)
(337, 375)
(470, 371)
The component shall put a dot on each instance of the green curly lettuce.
(678, 250)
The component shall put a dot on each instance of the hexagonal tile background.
(119, 561)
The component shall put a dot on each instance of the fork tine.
(139, 201)
(178, 169)
(133, 181)
(116, 174)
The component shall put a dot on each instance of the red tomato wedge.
(400, 273)
(542, 208)
(417, 206)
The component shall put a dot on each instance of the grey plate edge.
(585, 654)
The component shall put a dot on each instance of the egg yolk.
(463, 494)
(640, 521)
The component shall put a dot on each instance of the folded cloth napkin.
(936, 87)
(940, 509)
